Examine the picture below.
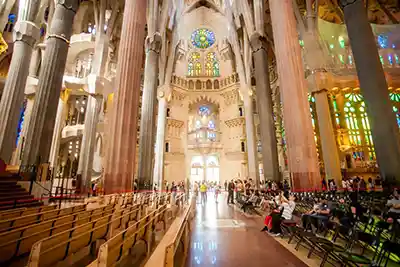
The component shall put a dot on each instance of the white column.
(252, 157)
(55, 142)
(160, 141)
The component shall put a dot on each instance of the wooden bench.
(178, 233)
(13, 223)
(19, 241)
(14, 213)
(118, 247)
(59, 247)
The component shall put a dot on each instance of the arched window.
(358, 125)
(203, 38)
(395, 97)
(194, 66)
(212, 65)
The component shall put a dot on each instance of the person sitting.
(318, 215)
(283, 213)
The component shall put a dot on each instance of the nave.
(223, 236)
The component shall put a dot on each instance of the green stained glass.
(341, 58)
(341, 42)
(381, 59)
(395, 97)
(397, 59)
(301, 43)
(203, 38)
(395, 109)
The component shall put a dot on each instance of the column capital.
(27, 32)
(69, 4)
(321, 80)
(153, 43)
(163, 92)
(257, 42)
(345, 3)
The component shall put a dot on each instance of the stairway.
(13, 195)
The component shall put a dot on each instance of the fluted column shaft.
(55, 143)
(89, 142)
(301, 148)
(121, 154)
(146, 140)
(44, 113)
(265, 109)
(26, 34)
(160, 141)
(330, 151)
(385, 132)
(252, 155)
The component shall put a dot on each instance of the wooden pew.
(56, 248)
(19, 241)
(178, 233)
(118, 247)
(14, 213)
(13, 223)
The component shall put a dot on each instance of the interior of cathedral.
(111, 107)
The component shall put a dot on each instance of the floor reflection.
(224, 237)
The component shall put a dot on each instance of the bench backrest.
(19, 241)
(14, 213)
(10, 224)
(116, 248)
(51, 250)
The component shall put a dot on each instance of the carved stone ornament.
(258, 42)
(153, 43)
(344, 3)
(69, 4)
(26, 32)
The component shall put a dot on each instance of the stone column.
(330, 151)
(50, 82)
(301, 149)
(89, 142)
(265, 109)
(26, 34)
(60, 122)
(252, 156)
(121, 154)
(385, 132)
(146, 140)
(160, 139)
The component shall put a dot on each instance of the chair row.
(14, 213)
(13, 223)
(18, 242)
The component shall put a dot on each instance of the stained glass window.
(203, 38)
(212, 65)
(358, 125)
(194, 66)
(311, 100)
(204, 111)
(395, 97)
(21, 121)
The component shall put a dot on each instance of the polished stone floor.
(223, 236)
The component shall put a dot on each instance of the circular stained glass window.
(203, 38)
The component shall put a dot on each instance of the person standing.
(216, 192)
(203, 191)
(231, 188)
(226, 185)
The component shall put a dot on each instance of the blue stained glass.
(21, 121)
(204, 111)
(390, 59)
(203, 38)
(383, 41)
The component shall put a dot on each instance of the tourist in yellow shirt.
(203, 191)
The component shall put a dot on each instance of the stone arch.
(99, 144)
(216, 84)
(82, 15)
(204, 98)
(198, 85)
(209, 85)
(191, 84)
